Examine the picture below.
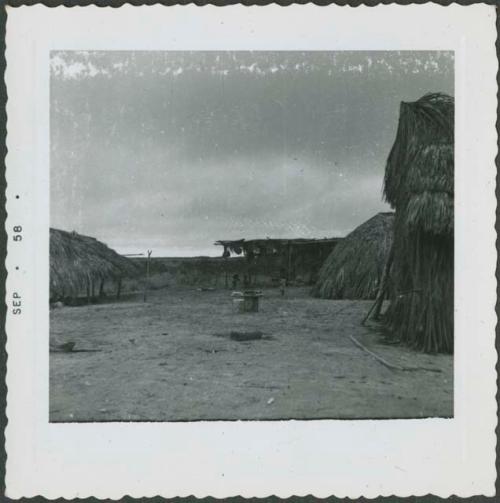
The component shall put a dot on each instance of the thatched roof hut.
(419, 182)
(353, 270)
(78, 262)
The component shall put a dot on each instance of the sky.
(171, 151)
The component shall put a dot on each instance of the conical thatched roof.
(419, 172)
(76, 261)
(419, 182)
(354, 268)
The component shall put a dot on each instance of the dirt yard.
(171, 359)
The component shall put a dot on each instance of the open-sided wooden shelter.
(290, 259)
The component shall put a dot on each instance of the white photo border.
(257, 458)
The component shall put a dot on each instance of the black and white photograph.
(251, 235)
(251, 251)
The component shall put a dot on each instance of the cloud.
(182, 148)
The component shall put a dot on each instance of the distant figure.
(236, 281)
(282, 286)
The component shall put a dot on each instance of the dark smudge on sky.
(174, 150)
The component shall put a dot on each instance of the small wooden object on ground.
(247, 301)
(245, 336)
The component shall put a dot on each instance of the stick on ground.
(386, 363)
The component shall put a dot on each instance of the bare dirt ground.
(171, 359)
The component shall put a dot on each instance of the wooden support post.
(226, 279)
(382, 289)
(119, 288)
(248, 275)
(147, 275)
(383, 284)
(289, 267)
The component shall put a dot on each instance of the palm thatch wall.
(419, 181)
(78, 263)
(354, 268)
